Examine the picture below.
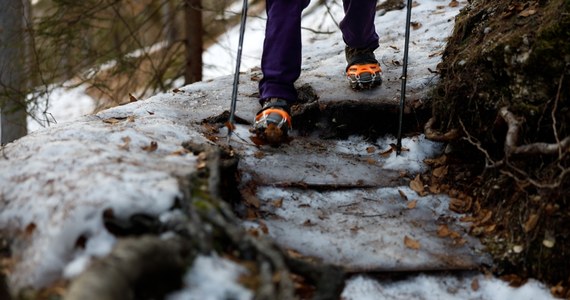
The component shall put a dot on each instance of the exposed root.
(434, 135)
(513, 135)
(131, 266)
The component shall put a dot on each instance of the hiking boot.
(273, 122)
(363, 70)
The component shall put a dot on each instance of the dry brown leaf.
(278, 203)
(530, 224)
(475, 285)
(460, 205)
(371, 161)
(416, 25)
(259, 154)
(411, 243)
(454, 234)
(443, 231)
(252, 201)
(263, 226)
(131, 119)
(387, 152)
(126, 143)
(30, 229)
(490, 228)
(417, 185)
(434, 188)
(487, 217)
(527, 12)
(132, 98)
(453, 3)
(112, 121)
(308, 223)
(403, 195)
(440, 172)
(180, 152)
(412, 204)
(371, 149)
(152, 147)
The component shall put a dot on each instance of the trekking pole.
(236, 75)
(404, 77)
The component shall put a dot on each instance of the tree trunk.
(12, 70)
(194, 43)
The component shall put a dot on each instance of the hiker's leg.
(281, 58)
(357, 26)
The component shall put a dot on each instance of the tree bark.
(12, 70)
(194, 41)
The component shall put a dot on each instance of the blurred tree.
(194, 41)
(13, 16)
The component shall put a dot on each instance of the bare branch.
(512, 138)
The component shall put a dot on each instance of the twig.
(473, 141)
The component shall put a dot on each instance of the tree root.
(134, 266)
(434, 135)
(513, 136)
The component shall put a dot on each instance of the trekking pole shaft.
(404, 77)
(238, 63)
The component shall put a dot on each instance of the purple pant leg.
(281, 58)
(357, 26)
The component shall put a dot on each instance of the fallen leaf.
(126, 142)
(412, 204)
(112, 121)
(130, 118)
(132, 98)
(454, 234)
(453, 3)
(486, 218)
(387, 152)
(460, 205)
(436, 162)
(230, 126)
(371, 149)
(152, 147)
(434, 188)
(443, 231)
(403, 195)
(278, 203)
(355, 229)
(416, 25)
(371, 161)
(308, 223)
(259, 154)
(440, 172)
(411, 243)
(527, 12)
(180, 152)
(30, 229)
(176, 90)
(417, 185)
(263, 226)
(513, 280)
(530, 224)
(475, 285)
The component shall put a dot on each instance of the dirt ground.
(505, 87)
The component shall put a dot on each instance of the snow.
(211, 278)
(57, 181)
(442, 287)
